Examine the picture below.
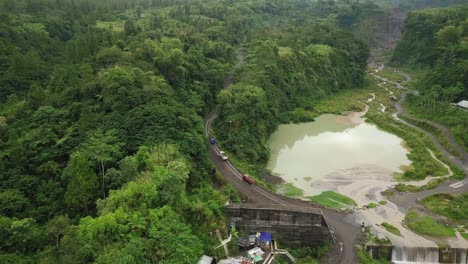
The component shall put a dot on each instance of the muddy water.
(304, 153)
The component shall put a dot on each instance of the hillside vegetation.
(102, 155)
(436, 40)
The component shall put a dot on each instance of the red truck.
(247, 179)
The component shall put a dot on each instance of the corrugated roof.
(265, 236)
(255, 253)
(463, 104)
(231, 261)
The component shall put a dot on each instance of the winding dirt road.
(408, 200)
(462, 162)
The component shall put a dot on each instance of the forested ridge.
(283, 77)
(102, 155)
(435, 41)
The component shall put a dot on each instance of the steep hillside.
(436, 40)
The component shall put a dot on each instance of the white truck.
(223, 155)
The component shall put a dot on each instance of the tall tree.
(82, 185)
(56, 227)
(102, 147)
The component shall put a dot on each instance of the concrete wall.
(419, 254)
(291, 226)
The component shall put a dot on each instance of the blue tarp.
(265, 236)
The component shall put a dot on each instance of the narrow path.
(407, 200)
(462, 163)
(430, 178)
(450, 172)
(450, 138)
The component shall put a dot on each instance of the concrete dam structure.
(405, 255)
(290, 225)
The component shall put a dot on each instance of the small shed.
(265, 236)
(256, 254)
(463, 104)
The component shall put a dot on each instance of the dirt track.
(462, 162)
(405, 201)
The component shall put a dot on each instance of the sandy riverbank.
(365, 185)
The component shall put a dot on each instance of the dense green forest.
(102, 155)
(284, 75)
(419, 4)
(436, 40)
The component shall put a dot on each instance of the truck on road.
(223, 155)
(247, 179)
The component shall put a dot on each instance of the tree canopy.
(434, 40)
(102, 154)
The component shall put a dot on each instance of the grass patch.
(392, 229)
(229, 191)
(464, 234)
(306, 255)
(422, 162)
(298, 115)
(343, 102)
(383, 202)
(426, 225)
(450, 206)
(401, 187)
(390, 75)
(365, 258)
(407, 188)
(290, 190)
(388, 192)
(372, 205)
(416, 73)
(333, 200)
(434, 131)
